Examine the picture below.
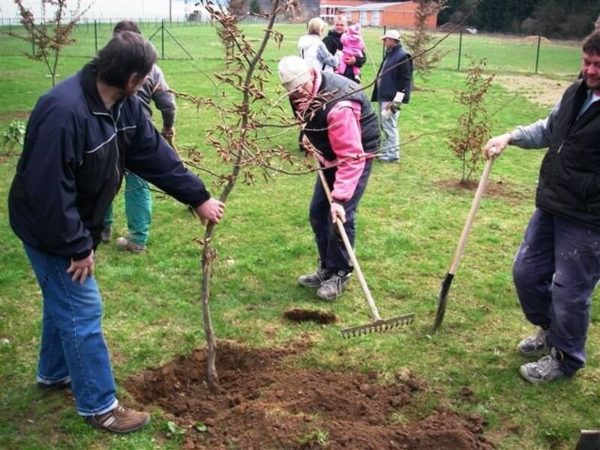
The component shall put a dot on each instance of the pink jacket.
(352, 41)
(345, 137)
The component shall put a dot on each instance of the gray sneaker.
(333, 287)
(315, 279)
(535, 344)
(545, 370)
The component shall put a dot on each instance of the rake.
(378, 324)
(460, 248)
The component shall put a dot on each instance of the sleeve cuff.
(82, 255)
(205, 196)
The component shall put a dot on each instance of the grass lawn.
(408, 226)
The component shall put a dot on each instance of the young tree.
(51, 32)
(240, 139)
(474, 125)
(422, 39)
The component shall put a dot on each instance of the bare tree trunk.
(208, 253)
(207, 258)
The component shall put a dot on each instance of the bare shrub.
(51, 32)
(421, 38)
(474, 125)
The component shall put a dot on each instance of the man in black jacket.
(392, 88)
(333, 43)
(557, 266)
(80, 138)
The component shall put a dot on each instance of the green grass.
(408, 227)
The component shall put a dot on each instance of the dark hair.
(126, 54)
(591, 44)
(126, 25)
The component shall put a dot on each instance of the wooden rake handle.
(462, 242)
(350, 250)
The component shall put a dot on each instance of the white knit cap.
(294, 72)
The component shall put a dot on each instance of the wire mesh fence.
(198, 40)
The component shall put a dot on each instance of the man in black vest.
(394, 82)
(557, 266)
(341, 128)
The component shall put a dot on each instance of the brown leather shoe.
(119, 420)
(127, 244)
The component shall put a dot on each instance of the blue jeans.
(72, 345)
(555, 272)
(138, 209)
(332, 253)
(390, 136)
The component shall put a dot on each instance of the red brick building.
(399, 14)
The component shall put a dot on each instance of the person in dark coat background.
(392, 89)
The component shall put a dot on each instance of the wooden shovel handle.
(462, 242)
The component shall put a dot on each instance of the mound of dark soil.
(265, 404)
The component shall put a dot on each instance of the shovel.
(378, 324)
(462, 242)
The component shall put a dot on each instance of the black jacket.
(569, 183)
(396, 76)
(333, 41)
(73, 161)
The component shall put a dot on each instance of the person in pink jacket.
(341, 128)
(353, 47)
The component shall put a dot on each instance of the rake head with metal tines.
(378, 326)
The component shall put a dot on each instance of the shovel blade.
(378, 326)
(442, 300)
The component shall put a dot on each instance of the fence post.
(382, 44)
(537, 55)
(96, 35)
(459, 48)
(162, 38)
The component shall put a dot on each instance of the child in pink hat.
(353, 46)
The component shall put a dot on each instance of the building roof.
(370, 7)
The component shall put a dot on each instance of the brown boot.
(119, 420)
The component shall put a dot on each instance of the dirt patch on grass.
(539, 90)
(310, 315)
(7, 116)
(535, 38)
(266, 404)
(496, 189)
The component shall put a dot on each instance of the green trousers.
(138, 209)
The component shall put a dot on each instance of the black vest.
(569, 184)
(333, 89)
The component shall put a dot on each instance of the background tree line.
(550, 18)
